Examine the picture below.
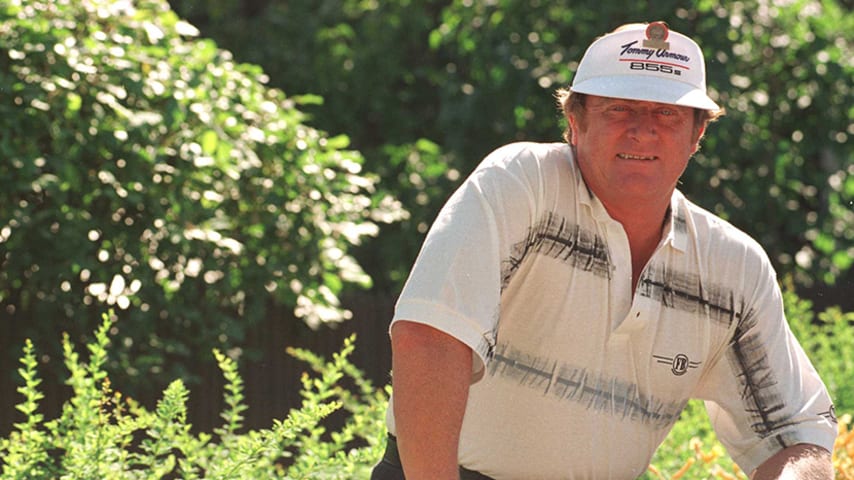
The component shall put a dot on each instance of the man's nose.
(643, 126)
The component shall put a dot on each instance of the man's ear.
(573, 128)
(698, 134)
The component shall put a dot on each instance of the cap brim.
(650, 89)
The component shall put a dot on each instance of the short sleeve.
(455, 283)
(762, 393)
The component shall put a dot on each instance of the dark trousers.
(389, 467)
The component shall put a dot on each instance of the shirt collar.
(675, 230)
(585, 195)
(676, 227)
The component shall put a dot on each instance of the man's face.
(632, 151)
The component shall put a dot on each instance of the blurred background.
(254, 174)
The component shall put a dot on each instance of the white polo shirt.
(576, 378)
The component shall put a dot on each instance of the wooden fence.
(271, 381)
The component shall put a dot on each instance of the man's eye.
(666, 112)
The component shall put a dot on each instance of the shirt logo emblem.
(830, 414)
(679, 364)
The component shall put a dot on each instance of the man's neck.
(640, 219)
(644, 227)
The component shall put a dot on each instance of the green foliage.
(692, 439)
(828, 339)
(471, 75)
(364, 405)
(144, 167)
(790, 180)
(26, 451)
(103, 435)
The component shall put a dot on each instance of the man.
(569, 301)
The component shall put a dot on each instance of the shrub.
(828, 339)
(104, 435)
(147, 171)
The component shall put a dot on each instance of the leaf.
(209, 141)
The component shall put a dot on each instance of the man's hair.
(572, 103)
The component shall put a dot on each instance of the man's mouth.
(631, 156)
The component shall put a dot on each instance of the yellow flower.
(682, 470)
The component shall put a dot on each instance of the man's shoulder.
(527, 152)
(713, 230)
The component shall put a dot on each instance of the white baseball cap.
(645, 62)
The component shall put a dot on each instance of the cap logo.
(656, 36)
(648, 53)
(646, 62)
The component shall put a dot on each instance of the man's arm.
(431, 373)
(798, 462)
